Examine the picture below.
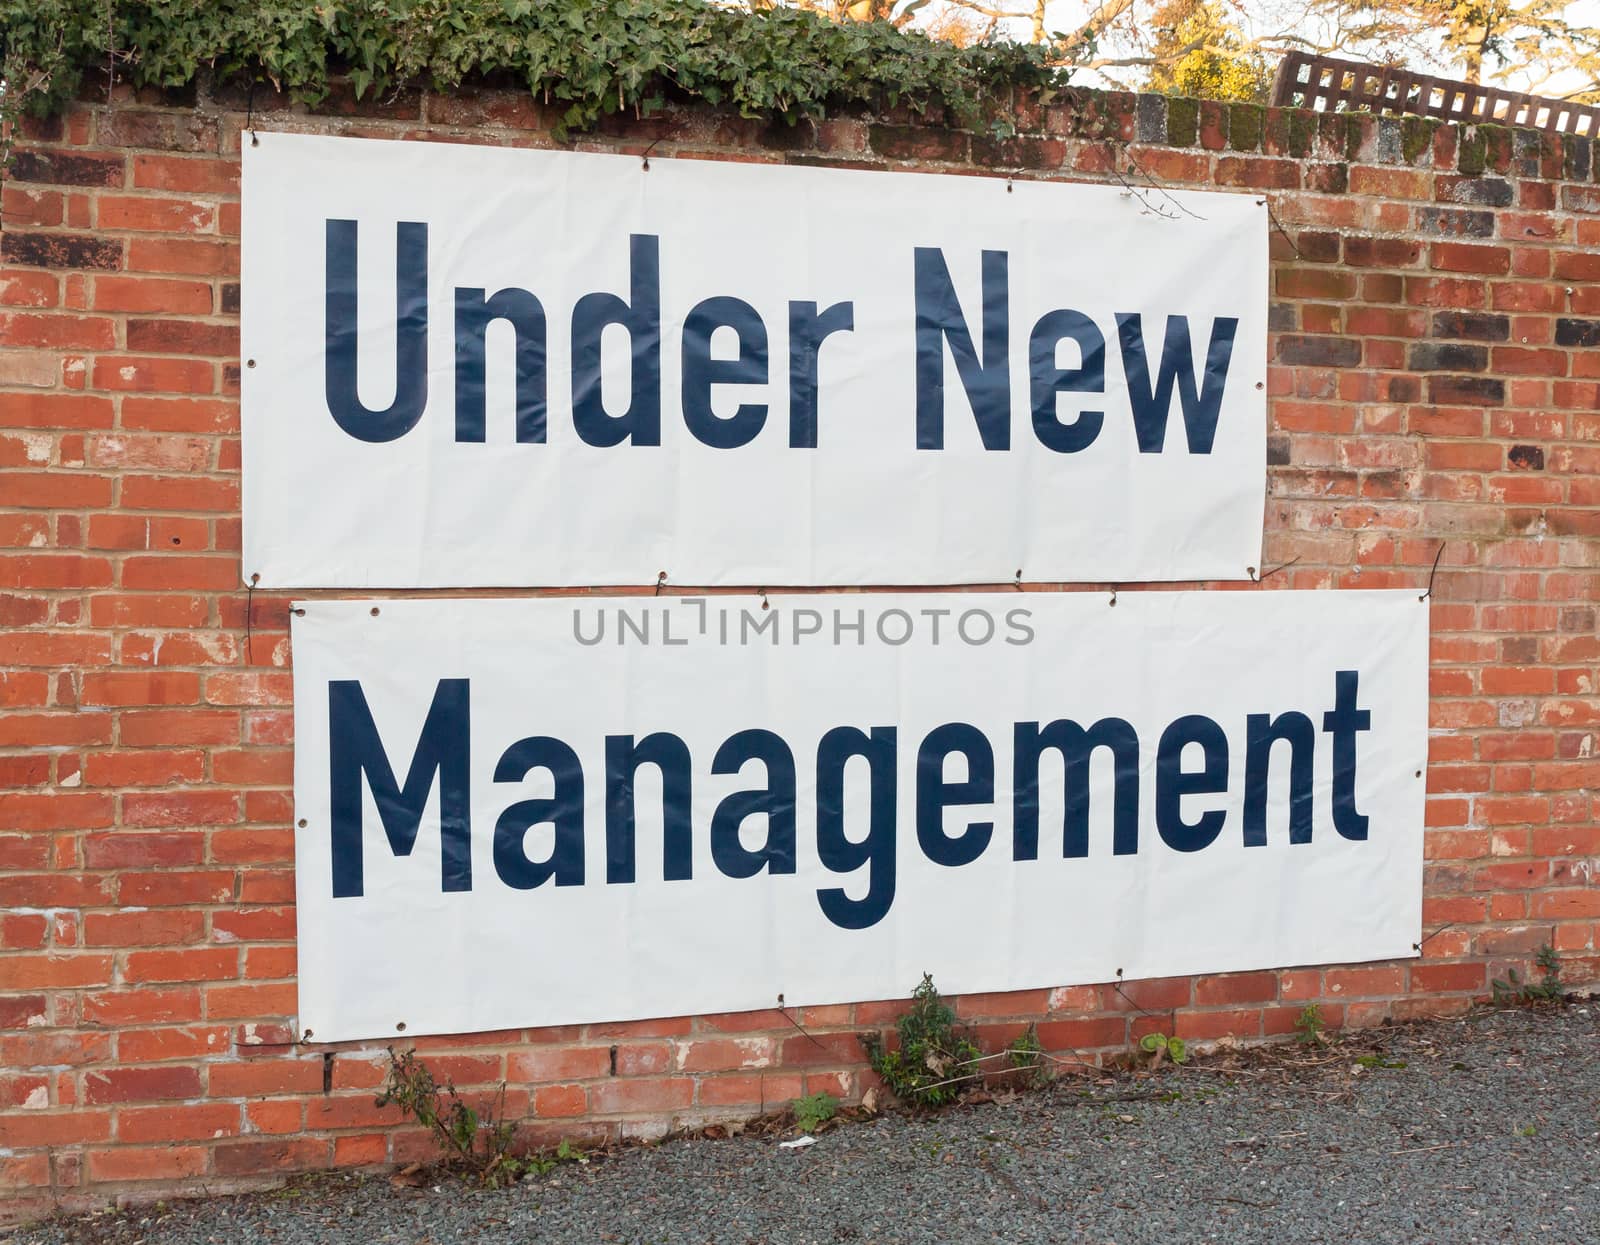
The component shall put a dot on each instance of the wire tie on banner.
(661, 579)
(1017, 582)
(762, 593)
(1417, 946)
(1437, 555)
(249, 616)
(783, 1011)
(644, 158)
(1113, 605)
(250, 114)
(1117, 986)
(1278, 225)
(1265, 574)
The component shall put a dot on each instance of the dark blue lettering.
(935, 794)
(837, 851)
(624, 756)
(474, 312)
(701, 371)
(775, 801)
(640, 315)
(1173, 782)
(443, 749)
(808, 329)
(939, 319)
(1342, 722)
(1048, 379)
(563, 810)
(340, 334)
(1262, 730)
(1076, 746)
(1153, 404)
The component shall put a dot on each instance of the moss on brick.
(1416, 137)
(1183, 121)
(1302, 132)
(1577, 157)
(1500, 146)
(1472, 156)
(1330, 133)
(1245, 123)
(1353, 134)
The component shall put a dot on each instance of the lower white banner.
(532, 812)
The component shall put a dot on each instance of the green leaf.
(594, 55)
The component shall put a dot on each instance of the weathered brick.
(183, 337)
(139, 213)
(904, 142)
(1459, 257)
(60, 250)
(116, 1085)
(1447, 357)
(1573, 332)
(1470, 390)
(1320, 351)
(1472, 326)
(152, 294)
(1440, 222)
(65, 168)
(1018, 152)
(1363, 252)
(1488, 191)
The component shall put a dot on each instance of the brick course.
(1435, 309)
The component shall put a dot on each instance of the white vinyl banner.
(531, 812)
(476, 367)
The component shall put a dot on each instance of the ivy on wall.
(588, 57)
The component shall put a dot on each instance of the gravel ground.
(1485, 1129)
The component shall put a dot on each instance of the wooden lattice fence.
(1327, 84)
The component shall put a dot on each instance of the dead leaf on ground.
(412, 1177)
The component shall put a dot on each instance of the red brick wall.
(1436, 305)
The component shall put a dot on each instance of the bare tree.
(1530, 45)
(1225, 47)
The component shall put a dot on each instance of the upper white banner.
(475, 366)
(535, 812)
